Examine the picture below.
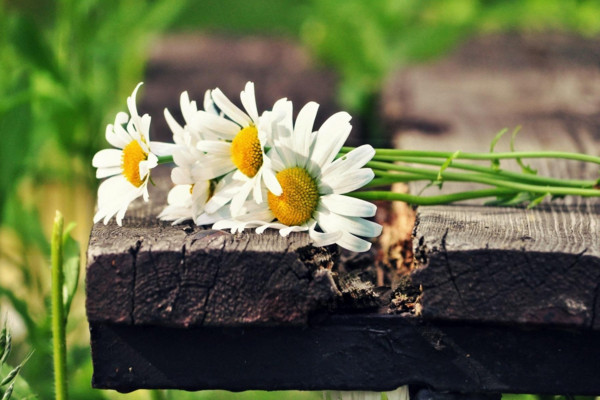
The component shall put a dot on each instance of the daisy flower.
(314, 185)
(128, 166)
(192, 189)
(239, 150)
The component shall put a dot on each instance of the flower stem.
(165, 159)
(485, 179)
(59, 342)
(483, 156)
(430, 200)
(500, 173)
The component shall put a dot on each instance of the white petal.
(105, 172)
(239, 198)
(349, 206)
(321, 239)
(162, 149)
(330, 139)
(249, 101)
(209, 105)
(214, 147)
(135, 118)
(352, 243)
(294, 228)
(174, 126)
(230, 109)
(107, 158)
(181, 176)
(213, 167)
(330, 222)
(115, 134)
(224, 127)
(223, 194)
(257, 188)
(345, 183)
(271, 181)
(114, 195)
(302, 131)
(355, 159)
(273, 225)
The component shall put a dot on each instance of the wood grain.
(151, 273)
(351, 352)
(189, 308)
(507, 264)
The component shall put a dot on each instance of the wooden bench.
(497, 300)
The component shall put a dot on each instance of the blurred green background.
(66, 68)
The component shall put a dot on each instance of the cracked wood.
(152, 273)
(505, 265)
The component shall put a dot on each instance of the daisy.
(128, 166)
(192, 190)
(314, 185)
(239, 151)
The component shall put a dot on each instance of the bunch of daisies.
(237, 169)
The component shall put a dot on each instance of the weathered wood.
(507, 264)
(153, 273)
(356, 352)
(187, 308)
(510, 265)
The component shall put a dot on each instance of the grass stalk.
(59, 343)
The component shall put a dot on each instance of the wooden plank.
(150, 272)
(507, 264)
(356, 352)
(233, 330)
(503, 265)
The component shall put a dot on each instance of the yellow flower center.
(246, 153)
(131, 157)
(299, 199)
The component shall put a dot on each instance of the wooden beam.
(349, 352)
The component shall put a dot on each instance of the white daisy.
(129, 165)
(239, 150)
(314, 185)
(192, 190)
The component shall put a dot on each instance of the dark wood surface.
(355, 352)
(152, 273)
(507, 297)
(506, 265)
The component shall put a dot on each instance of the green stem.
(484, 179)
(387, 180)
(59, 341)
(484, 156)
(513, 176)
(430, 200)
(165, 159)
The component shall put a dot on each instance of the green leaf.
(11, 375)
(20, 387)
(496, 163)
(71, 267)
(3, 342)
(7, 346)
(537, 200)
(446, 164)
(510, 200)
(8, 392)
